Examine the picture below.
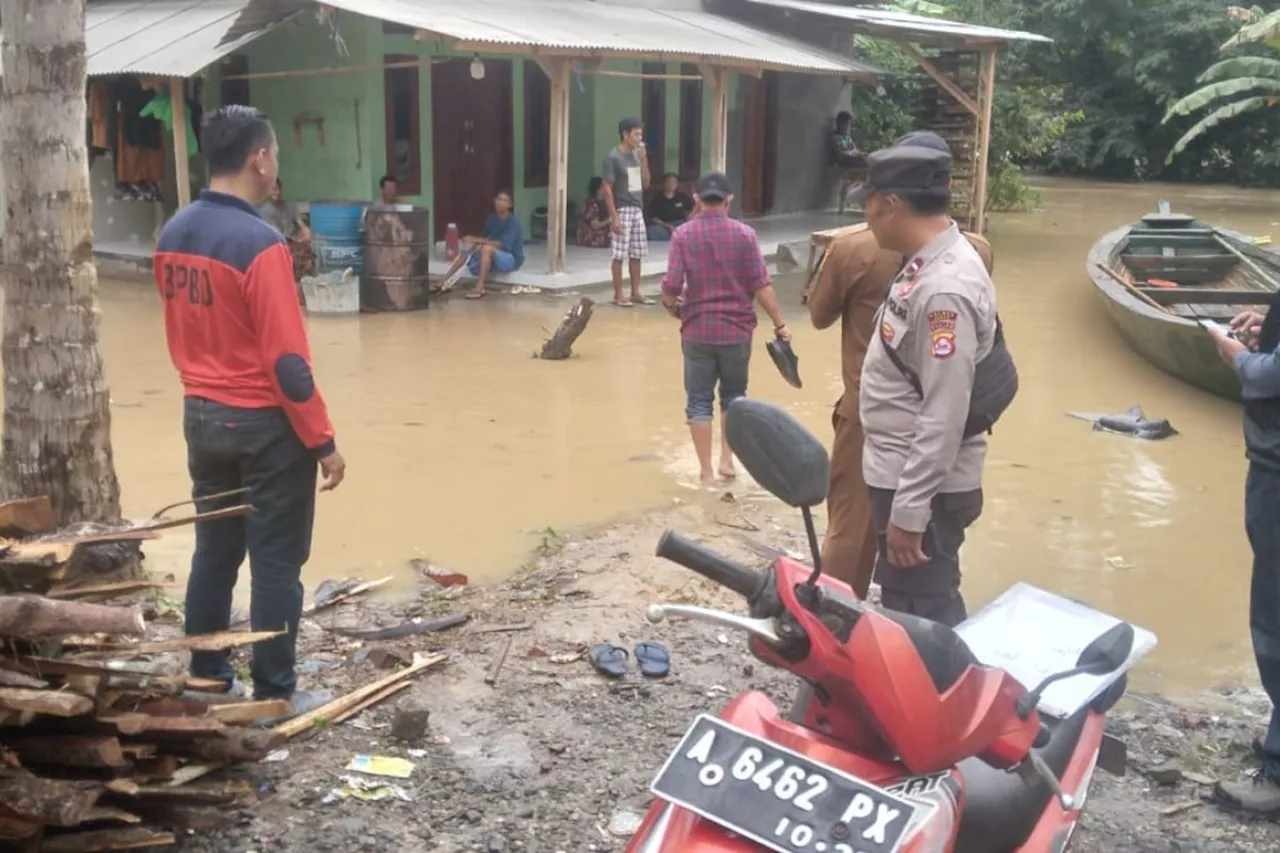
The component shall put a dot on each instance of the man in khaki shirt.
(936, 323)
(853, 281)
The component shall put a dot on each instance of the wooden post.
(717, 78)
(988, 80)
(181, 157)
(558, 69)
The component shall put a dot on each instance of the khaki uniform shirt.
(853, 281)
(940, 319)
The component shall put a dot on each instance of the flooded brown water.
(465, 450)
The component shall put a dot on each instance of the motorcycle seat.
(945, 655)
(1001, 808)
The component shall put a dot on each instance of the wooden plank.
(71, 751)
(240, 713)
(328, 711)
(52, 802)
(371, 701)
(192, 642)
(107, 814)
(146, 724)
(94, 841)
(51, 703)
(26, 516)
(1205, 295)
(106, 589)
(36, 565)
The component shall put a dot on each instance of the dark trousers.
(1262, 522)
(931, 590)
(230, 448)
(705, 366)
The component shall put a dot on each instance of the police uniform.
(939, 320)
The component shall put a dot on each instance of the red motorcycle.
(900, 741)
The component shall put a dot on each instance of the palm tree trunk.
(56, 439)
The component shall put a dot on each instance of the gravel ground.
(548, 756)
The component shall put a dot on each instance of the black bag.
(995, 383)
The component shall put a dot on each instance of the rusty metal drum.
(397, 241)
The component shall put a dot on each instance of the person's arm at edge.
(282, 345)
(673, 281)
(761, 287)
(1259, 373)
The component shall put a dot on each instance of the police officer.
(851, 286)
(937, 323)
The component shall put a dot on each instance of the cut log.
(52, 703)
(214, 794)
(71, 751)
(169, 706)
(36, 566)
(408, 629)
(305, 722)
(26, 796)
(33, 616)
(560, 344)
(234, 744)
(26, 517)
(95, 841)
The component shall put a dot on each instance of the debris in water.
(1132, 422)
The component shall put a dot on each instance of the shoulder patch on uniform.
(886, 332)
(943, 344)
(942, 321)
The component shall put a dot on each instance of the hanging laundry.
(161, 109)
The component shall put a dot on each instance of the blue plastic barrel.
(336, 235)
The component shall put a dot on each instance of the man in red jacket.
(253, 416)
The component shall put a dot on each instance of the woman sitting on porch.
(593, 222)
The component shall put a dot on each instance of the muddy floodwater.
(464, 450)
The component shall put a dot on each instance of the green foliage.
(1008, 190)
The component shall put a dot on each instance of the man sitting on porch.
(669, 209)
(843, 148)
(500, 248)
(388, 190)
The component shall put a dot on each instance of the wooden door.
(472, 146)
(653, 112)
(760, 144)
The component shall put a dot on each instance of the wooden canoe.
(1161, 274)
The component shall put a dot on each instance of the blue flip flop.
(654, 659)
(609, 660)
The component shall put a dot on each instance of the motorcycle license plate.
(777, 797)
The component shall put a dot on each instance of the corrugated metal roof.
(900, 24)
(589, 28)
(170, 38)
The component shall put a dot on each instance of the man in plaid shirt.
(715, 274)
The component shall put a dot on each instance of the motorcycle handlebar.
(697, 558)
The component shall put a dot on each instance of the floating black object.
(784, 357)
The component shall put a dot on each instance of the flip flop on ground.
(609, 660)
(654, 659)
(644, 300)
(477, 294)
(623, 303)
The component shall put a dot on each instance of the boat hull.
(1179, 347)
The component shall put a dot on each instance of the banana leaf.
(1241, 66)
(1202, 97)
(1217, 117)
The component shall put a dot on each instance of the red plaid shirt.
(716, 262)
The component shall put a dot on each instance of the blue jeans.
(232, 448)
(705, 365)
(1262, 522)
(502, 262)
(659, 234)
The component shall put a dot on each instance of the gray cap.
(905, 168)
(714, 186)
(923, 139)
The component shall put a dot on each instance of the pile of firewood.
(99, 738)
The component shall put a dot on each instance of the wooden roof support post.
(987, 79)
(558, 71)
(181, 156)
(717, 78)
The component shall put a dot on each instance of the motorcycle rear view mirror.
(1108, 652)
(782, 456)
(779, 453)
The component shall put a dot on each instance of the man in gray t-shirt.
(626, 177)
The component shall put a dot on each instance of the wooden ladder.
(945, 116)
